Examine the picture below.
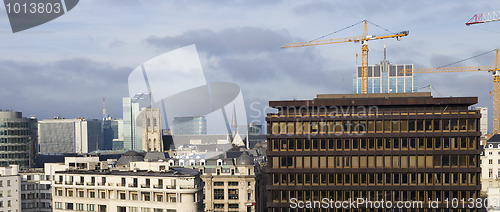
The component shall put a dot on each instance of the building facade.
(484, 120)
(69, 135)
(92, 185)
(18, 139)
(10, 189)
(190, 125)
(377, 147)
(386, 78)
(36, 193)
(230, 184)
(151, 130)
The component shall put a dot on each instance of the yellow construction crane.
(492, 69)
(364, 48)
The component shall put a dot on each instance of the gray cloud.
(69, 88)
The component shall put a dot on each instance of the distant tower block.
(151, 130)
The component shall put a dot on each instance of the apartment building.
(10, 189)
(93, 186)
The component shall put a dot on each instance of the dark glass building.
(18, 139)
(374, 152)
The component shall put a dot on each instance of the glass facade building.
(190, 125)
(386, 78)
(18, 139)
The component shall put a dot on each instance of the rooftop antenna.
(385, 53)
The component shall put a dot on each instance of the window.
(490, 173)
(102, 208)
(218, 193)
(90, 207)
(232, 183)
(490, 161)
(121, 209)
(79, 206)
(233, 193)
(69, 206)
(58, 205)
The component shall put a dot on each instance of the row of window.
(14, 140)
(15, 124)
(232, 194)
(14, 148)
(388, 195)
(16, 132)
(401, 143)
(9, 204)
(346, 179)
(350, 126)
(122, 195)
(231, 207)
(80, 206)
(394, 161)
(228, 183)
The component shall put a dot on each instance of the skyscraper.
(386, 78)
(190, 125)
(18, 139)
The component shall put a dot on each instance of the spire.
(234, 123)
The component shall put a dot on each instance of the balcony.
(132, 185)
(91, 183)
(188, 186)
(101, 184)
(120, 184)
(68, 182)
(79, 183)
(145, 186)
(158, 186)
(171, 186)
(58, 182)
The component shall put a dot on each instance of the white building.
(10, 189)
(36, 194)
(90, 185)
(69, 135)
(490, 165)
(484, 120)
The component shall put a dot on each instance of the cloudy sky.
(65, 67)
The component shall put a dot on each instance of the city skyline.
(65, 67)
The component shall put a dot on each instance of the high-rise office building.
(69, 135)
(386, 78)
(132, 130)
(377, 147)
(189, 125)
(18, 139)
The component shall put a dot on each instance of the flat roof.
(173, 172)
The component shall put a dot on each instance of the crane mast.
(363, 39)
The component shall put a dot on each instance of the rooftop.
(172, 172)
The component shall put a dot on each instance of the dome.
(244, 159)
(128, 157)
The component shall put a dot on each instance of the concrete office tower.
(484, 120)
(18, 139)
(69, 135)
(189, 125)
(10, 189)
(386, 78)
(390, 147)
(151, 130)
